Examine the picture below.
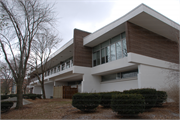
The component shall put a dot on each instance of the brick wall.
(145, 42)
(82, 55)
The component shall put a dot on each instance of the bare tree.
(22, 19)
(42, 48)
(7, 81)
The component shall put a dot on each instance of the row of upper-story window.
(64, 65)
(110, 50)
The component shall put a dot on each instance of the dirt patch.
(62, 109)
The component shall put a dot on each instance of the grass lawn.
(62, 109)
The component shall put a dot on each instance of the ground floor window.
(120, 75)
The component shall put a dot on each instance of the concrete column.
(139, 76)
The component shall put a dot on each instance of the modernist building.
(132, 52)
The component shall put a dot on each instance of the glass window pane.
(124, 47)
(119, 50)
(118, 76)
(103, 55)
(115, 39)
(96, 48)
(107, 54)
(94, 59)
(129, 74)
(109, 77)
(113, 52)
(98, 57)
(123, 35)
(104, 44)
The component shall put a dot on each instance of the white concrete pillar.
(139, 76)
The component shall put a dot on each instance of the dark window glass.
(113, 52)
(115, 39)
(107, 54)
(123, 35)
(129, 74)
(124, 47)
(103, 55)
(109, 77)
(104, 44)
(119, 50)
(94, 59)
(96, 48)
(98, 57)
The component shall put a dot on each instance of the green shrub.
(12, 95)
(149, 95)
(161, 97)
(86, 101)
(4, 97)
(6, 105)
(26, 96)
(106, 98)
(128, 104)
(32, 96)
(39, 96)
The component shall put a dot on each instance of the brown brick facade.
(145, 42)
(82, 54)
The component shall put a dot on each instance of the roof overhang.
(142, 16)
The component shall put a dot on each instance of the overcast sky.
(91, 15)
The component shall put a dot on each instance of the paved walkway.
(14, 99)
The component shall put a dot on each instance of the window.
(121, 75)
(113, 52)
(119, 50)
(110, 50)
(129, 74)
(103, 56)
(108, 77)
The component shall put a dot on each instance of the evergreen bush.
(161, 97)
(128, 104)
(86, 102)
(106, 98)
(149, 94)
(6, 105)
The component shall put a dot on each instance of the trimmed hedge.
(149, 94)
(6, 105)
(4, 97)
(128, 104)
(161, 97)
(106, 98)
(86, 102)
(32, 96)
(12, 95)
(39, 96)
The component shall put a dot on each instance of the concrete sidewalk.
(14, 99)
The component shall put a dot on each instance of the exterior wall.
(152, 77)
(37, 90)
(119, 85)
(90, 83)
(48, 90)
(57, 83)
(82, 55)
(145, 42)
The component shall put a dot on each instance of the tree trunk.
(24, 90)
(19, 96)
(43, 91)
